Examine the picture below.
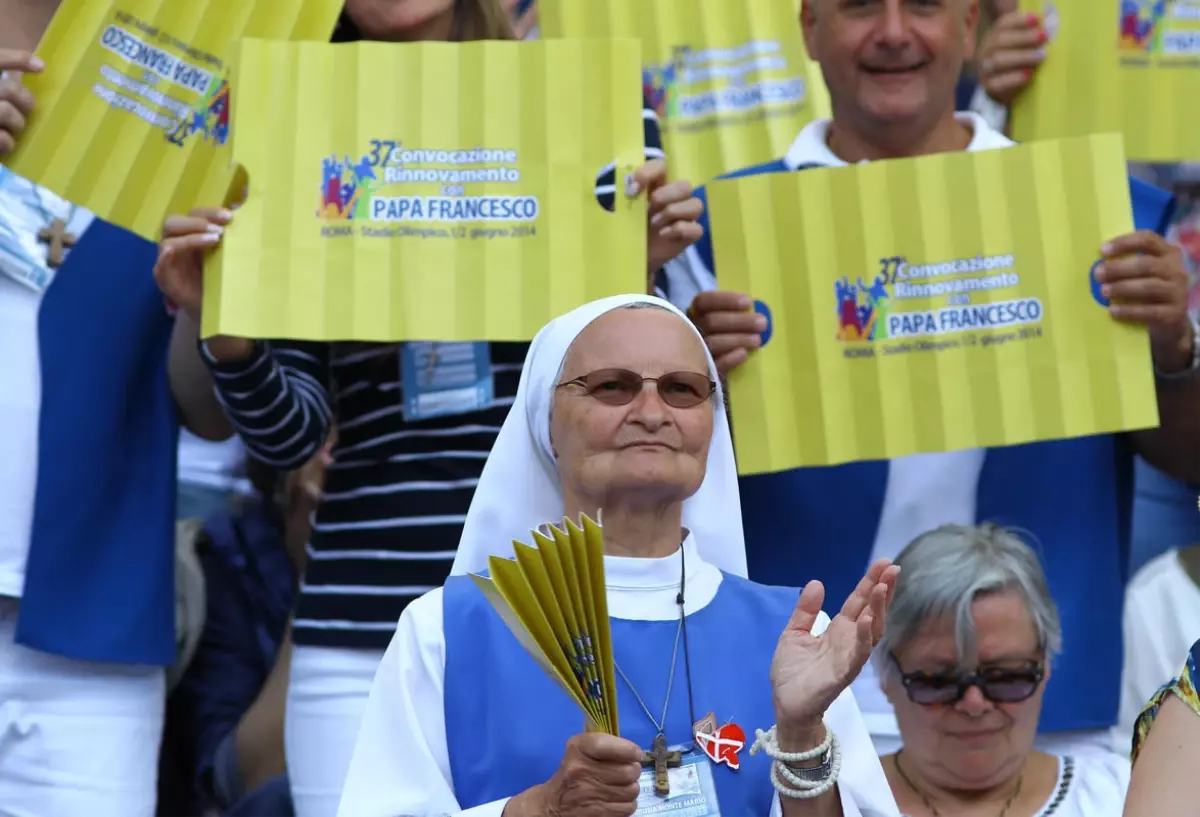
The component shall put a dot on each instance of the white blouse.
(1088, 786)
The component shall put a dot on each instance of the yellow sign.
(133, 114)
(1131, 66)
(431, 191)
(931, 304)
(731, 81)
(553, 599)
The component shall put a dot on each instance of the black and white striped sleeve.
(606, 182)
(278, 399)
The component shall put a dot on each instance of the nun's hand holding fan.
(809, 671)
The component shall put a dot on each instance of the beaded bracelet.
(785, 778)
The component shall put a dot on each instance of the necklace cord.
(687, 659)
(930, 806)
(681, 630)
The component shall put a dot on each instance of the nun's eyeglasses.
(618, 387)
(999, 684)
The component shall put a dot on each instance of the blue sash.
(100, 580)
(507, 722)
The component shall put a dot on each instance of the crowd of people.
(233, 571)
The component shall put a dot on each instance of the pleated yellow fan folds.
(552, 596)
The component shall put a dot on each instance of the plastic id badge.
(693, 793)
(441, 379)
(35, 223)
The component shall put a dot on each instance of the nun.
(739, 691)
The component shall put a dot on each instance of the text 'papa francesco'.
(136, 52)
(454, 208)
(964, 318)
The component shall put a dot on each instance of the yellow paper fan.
(552, 597)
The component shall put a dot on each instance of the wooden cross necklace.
(659, 756)
(54, 235)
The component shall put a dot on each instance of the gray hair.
(944, 571)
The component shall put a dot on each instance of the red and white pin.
(720, 744)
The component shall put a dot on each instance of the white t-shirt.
(24, 210)
(1161, 623)
(1092, 786)
(213, 464)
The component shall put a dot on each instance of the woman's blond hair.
(473, 20)
(483, 20)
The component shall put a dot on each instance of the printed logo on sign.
(658, 84)
(209, 117)
(1140, 30)
(1165, 27)
(700, 89)
(146, 70)
(346, 188)
(862, 310)
(874, 313)
(377, 192)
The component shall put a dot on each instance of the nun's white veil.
(519, 489)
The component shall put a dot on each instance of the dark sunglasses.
(618, 387)
(1001, 685)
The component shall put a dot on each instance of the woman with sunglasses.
(619, 412)
(964, 661)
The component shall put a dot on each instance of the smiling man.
(892, 67)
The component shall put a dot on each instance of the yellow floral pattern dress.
(1184, 686)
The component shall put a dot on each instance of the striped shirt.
(397, 494)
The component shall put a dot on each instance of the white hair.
(944, 571)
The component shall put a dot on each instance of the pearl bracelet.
(786, 779)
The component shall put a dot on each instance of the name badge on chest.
(37, 231)
(441, 379)
(693, 793)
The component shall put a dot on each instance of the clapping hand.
(810, 671)
(1144, 277)
(16, 101)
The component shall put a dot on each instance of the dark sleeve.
(278, 399)
(224, 678)
(607, 180)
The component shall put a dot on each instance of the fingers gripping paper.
(731, 82)
(433, 191)
(552, 597)
(133, 110)
(931, 304)
(1131, 66)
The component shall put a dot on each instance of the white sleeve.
(401, 763)
(995, 114)
(687, 276)
(1151, 654)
